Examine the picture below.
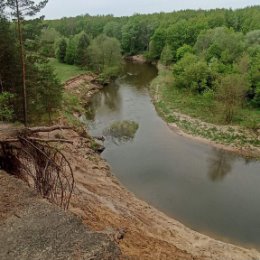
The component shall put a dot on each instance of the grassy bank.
(200, 115)
(64, 71)
(72, 104)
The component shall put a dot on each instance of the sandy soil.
(31, 228)
(137, 59)
(247, 151)
(84, 86)
(141, 231)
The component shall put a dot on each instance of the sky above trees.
(61, 8)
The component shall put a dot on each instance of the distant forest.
(204, 49)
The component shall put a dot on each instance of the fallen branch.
(12, 133)
(14, 140)
(46, 129)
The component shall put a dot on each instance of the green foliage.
(157, 43)
(183, 50)
(6, 109)
(49, 91)
(10, 73)
(81, 58)
(225, 42)
(48, 38)
(220, 43)
(253, 38)
(231, 91)
(202, 108)
(192, 73)
(256, 99)
(70, 52)
(136, 34)
(166, 55)
(183, 32)
(105, 54)
(49, 35)
(61, 50)
(254, 75)
(113, 30)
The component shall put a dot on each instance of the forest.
(213, 55)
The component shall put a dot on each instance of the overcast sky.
(61, 8)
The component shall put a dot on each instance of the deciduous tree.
(231, 91)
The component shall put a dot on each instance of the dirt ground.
(31, 228)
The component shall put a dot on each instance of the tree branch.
(14, 140)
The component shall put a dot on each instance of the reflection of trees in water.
(90, 112)
(220, 164)
(108, 96)
(111, 97)
(139, 74)
(121, 131)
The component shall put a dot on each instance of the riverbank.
(169, 104)
(103, 204)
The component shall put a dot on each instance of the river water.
(209, 190)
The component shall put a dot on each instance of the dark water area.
(209, 190)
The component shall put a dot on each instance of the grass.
(199, 106)
(203, 108)
(64, 71)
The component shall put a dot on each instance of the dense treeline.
(204, 48)
(207, 51)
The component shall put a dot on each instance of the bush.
(6, 110)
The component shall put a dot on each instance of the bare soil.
(137, 59)
(31, 228)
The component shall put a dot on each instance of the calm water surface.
(207, 189)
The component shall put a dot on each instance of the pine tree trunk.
(22, 55)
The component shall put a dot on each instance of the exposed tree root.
(38, 163)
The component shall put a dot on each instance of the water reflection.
(110, 99)
(139, 75)
(219, 164)
(121, 131)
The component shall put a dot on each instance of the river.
(207, 189)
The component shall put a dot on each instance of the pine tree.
(49, 90)
(20, 9)
(70, 52)
(61, 50)
(81, 50)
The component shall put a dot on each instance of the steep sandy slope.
(141, 231)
